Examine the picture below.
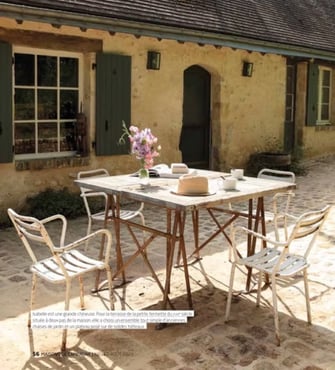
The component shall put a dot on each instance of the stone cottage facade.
(216, 81)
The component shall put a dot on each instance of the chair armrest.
(258, 235)
(93, 235)
(64, 225)
(53, 218)
(141, 207)
(93, 194)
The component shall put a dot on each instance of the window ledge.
(49, 163)
(325, 128)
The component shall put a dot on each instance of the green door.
(289, 129)
(195, 134)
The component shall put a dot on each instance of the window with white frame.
(324, 95)
(47, 92)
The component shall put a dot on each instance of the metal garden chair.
(280, 259)
(87, 194)
(65, 262)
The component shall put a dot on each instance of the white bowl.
(237, 173)
(229, 183)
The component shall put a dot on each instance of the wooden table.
(160, 193)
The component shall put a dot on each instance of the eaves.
(112, 25)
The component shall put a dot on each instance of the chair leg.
(81, 293)
(66, 308)
(101, 256)
(275, 308)
(259, 288)
(277, 232)
(230, 293)
(143, 232)
(308, 306)
(88, 231)
(32, 297)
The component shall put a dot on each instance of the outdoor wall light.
(153, 60)
(247, 69)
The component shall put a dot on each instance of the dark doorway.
(289, 129)
(195, 134)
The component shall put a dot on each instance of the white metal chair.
(64, 262)
(88, 194)
(280, 260)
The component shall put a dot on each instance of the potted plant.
(272, 156)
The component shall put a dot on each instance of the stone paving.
(205, 342)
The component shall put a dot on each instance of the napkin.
(179, 168)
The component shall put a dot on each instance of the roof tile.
(307, 23)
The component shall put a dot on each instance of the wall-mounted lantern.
(247, 69)
(153, 60)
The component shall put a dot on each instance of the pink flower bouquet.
(143, 144)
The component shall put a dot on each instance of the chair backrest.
(99, 172)
(308, 225)
(87, 193)
(32, 231)
(268, 173)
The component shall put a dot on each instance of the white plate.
(194, 195)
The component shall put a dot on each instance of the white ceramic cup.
(237, 173)
(229, 183)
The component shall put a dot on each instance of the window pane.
(68, 72)
(324, 112)
(24, 138)
(289, 107)
(24, 70)
(326, 78)
(68, 104)
(47, 137)
(289, 115)
(290, 79)
(67, 136)
(46, 71)
(325, 95)
(47, 104)
(24, 104)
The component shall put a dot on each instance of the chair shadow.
(250, 331)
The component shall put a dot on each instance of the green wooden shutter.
(113, 98)
(6, 135)
(312, 94)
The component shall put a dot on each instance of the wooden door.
(195, 134)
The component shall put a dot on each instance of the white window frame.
(320, 96)
(56, 53)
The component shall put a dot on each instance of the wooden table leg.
(116, 209)
(184, 257)
(177, 234)
(195, 223)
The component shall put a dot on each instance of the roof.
(307, 24)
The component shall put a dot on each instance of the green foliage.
(50, 202)
(4, 220)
